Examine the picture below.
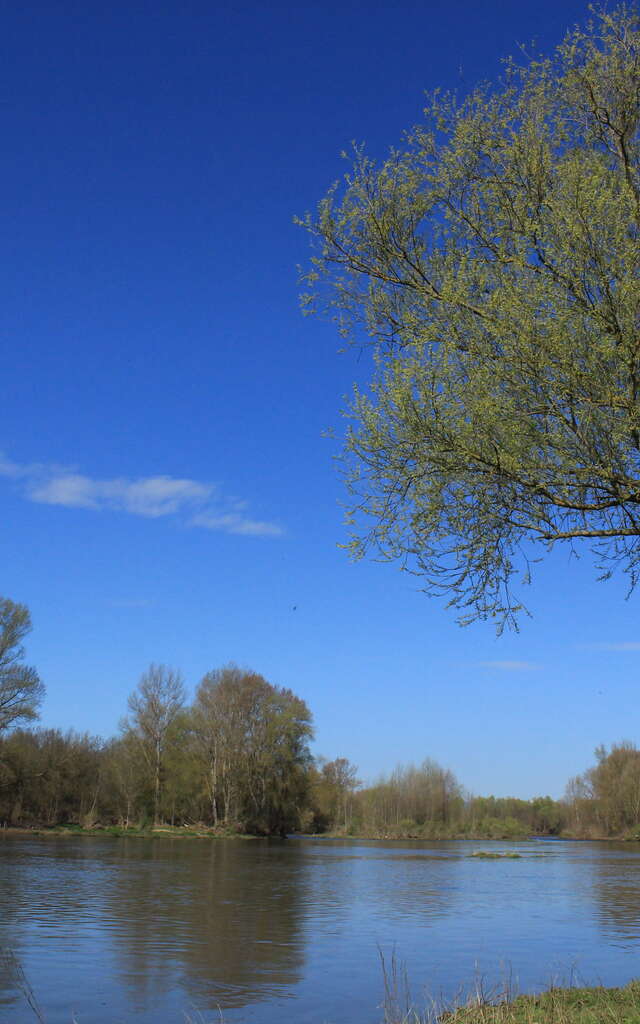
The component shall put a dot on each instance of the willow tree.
(492, 263)
(21, 691)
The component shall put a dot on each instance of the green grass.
(557, 1006)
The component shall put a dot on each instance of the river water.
(269, 932)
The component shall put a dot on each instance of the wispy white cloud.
(8, 468)
(510, 666)
(234, 522)
(152, 497)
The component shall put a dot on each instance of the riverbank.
(476, 835)
(221, 832)
(556, 1006)
(118, 831)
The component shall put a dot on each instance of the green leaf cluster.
(492, 262)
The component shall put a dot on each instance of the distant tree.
(546, 815)
(182, 789)
(126, 771)
(615, 785)
(213, 727)
(579, 803)
(341, 778)
(411, 798)
(21, 691)
(493, 263)
(154, 707)
(252, 741)
(50, 777)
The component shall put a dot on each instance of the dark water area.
(265, 932)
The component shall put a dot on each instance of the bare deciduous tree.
(341, 776)
(154, 707)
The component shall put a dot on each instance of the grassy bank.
(557, 1006)
(118, 831)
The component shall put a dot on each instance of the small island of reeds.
(491, 855)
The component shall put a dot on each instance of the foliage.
(252, 740)
(493, 263)
(49, 776)
(411, 800)
(158, 770)
(237, 760)
(21, 691)
(126, 776)
(606, 799)
(333, 788)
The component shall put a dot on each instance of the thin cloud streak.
(235, 523)
(153, 497)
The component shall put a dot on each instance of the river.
(266, 932)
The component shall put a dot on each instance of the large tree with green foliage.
(252, 742)
(493, 263)
(21, 691)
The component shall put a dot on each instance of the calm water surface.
(118, 930)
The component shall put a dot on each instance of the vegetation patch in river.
(488, 855)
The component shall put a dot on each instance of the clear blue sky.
(167, 492)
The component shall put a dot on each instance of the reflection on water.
(229, 914)
(616, 881)
(119, 930)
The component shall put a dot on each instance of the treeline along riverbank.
(237, 760)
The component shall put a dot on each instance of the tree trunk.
(214, 801)
(156, 795)
(214, 784)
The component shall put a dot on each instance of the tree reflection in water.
(135, 926)
(616, 879)
(221, 919)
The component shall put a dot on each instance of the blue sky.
(167, 490)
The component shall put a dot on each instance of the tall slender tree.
(154, 707)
